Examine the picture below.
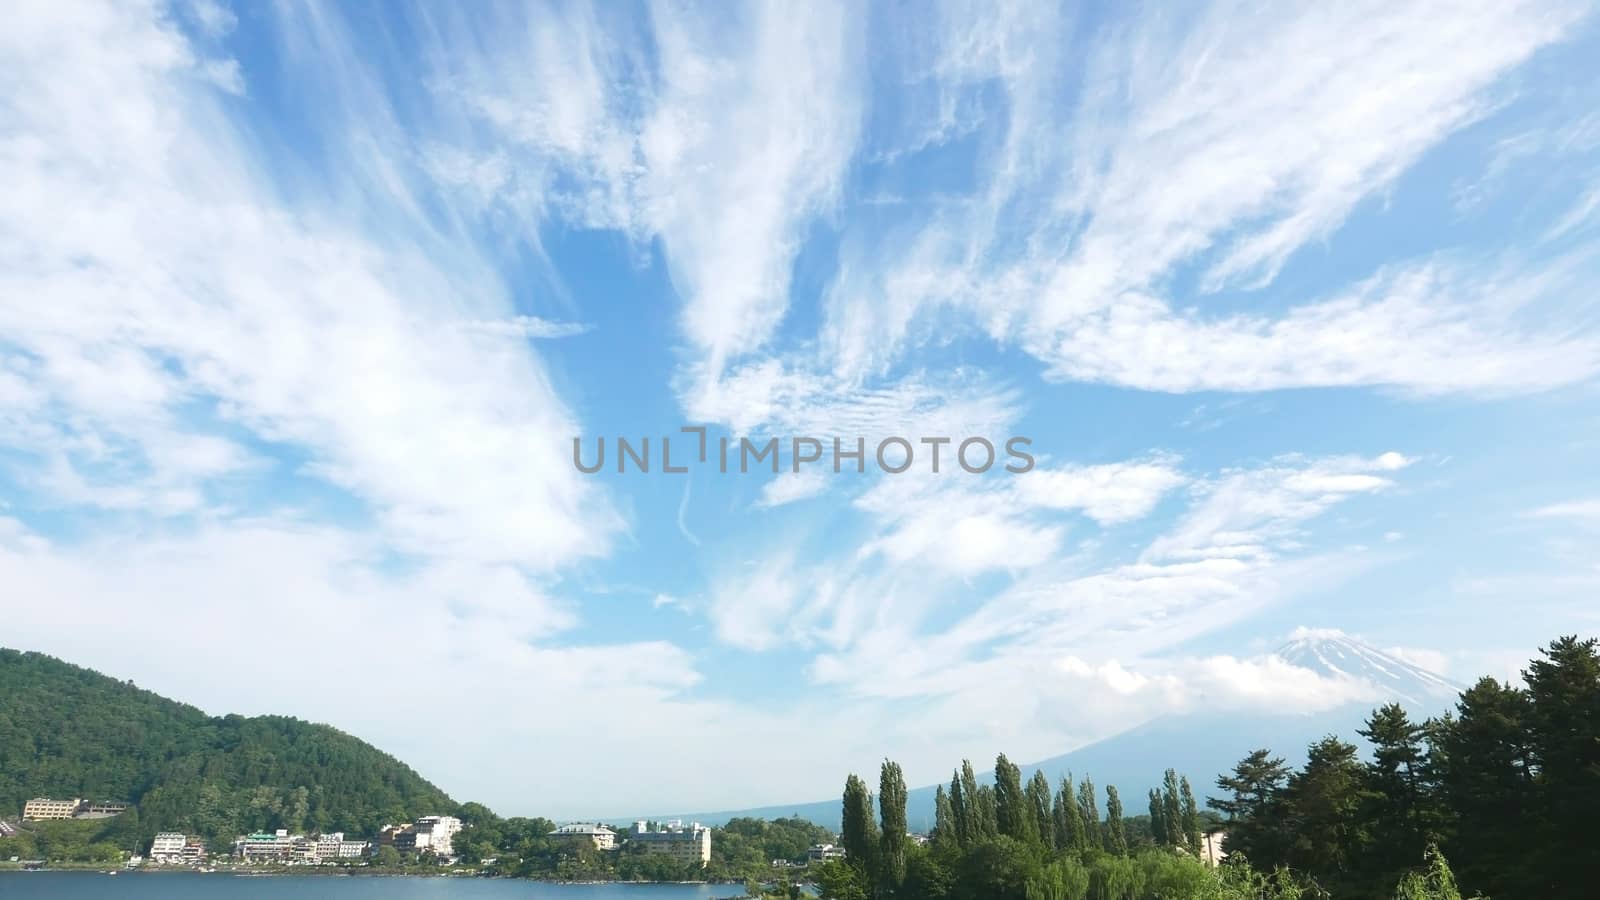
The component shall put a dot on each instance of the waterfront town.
(429, 837)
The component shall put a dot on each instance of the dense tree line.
(67, 731)
(1507, 784)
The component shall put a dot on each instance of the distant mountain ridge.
(67, 731)
(1203, 745)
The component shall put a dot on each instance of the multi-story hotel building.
(689, 844)
(168, 847)
(602, 837)
(44, 808)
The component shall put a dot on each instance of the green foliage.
(859, 830)
(1116, 837)
(1507, 785)
(66, 731)
(891, 863)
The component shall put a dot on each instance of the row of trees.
(1027, 841)
(1508, 785)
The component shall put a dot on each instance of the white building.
(436, 833)
(168, 847)
(275, 847)
(602, 837)
(823, 852)
(691, 844)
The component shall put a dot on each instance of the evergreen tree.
(892, 843)
(1089, 812)
(1326, 799)
(1191, 816)
(1486, 780)
(858, 833)
(1255, 808)
(1116, 839)
(1038, 791)
(1394, 778)
(1158, 828)
(1564, 747)
(1068, 820)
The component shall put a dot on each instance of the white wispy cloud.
(173, 300)
(1177, 164)
(528, 327)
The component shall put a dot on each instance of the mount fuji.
(1204, 744)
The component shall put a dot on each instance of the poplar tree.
(891, 868)
(858, 831)
(1191, 816)
(1116, 840)
(980, 808)
(1068, 820)
(1089, 812)
(1038, 791)
(1158, 828)
(960, 811)
(984, 823)
(1171, 810)
(1012, 814)
(944, 826)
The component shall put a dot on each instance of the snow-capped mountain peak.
(1334, 654)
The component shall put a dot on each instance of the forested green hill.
(67, 731)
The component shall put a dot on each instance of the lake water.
(195, 886)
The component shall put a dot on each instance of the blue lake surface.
(194, 886)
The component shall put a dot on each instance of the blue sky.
(303, 305)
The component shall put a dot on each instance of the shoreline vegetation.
(1504, 786)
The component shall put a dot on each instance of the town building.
(600, 836)
(167, 847)
(7, 829)
(437, 833)
(691, 844)
(263, 847)
(172, 848)
(42, 808)
(99, 810)
(331, 848)
(824, 852)
(432, 834)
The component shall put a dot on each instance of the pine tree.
(1564, 745)
(1089, 811)
(1038, 792)
(1395, 780)
(1191, 816)
(1116, 838)
(1158, 828)
(1255, 809)
(891, 868)
(858, 832)
(1486, 781)
(1326, 799)
(1067, 819)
